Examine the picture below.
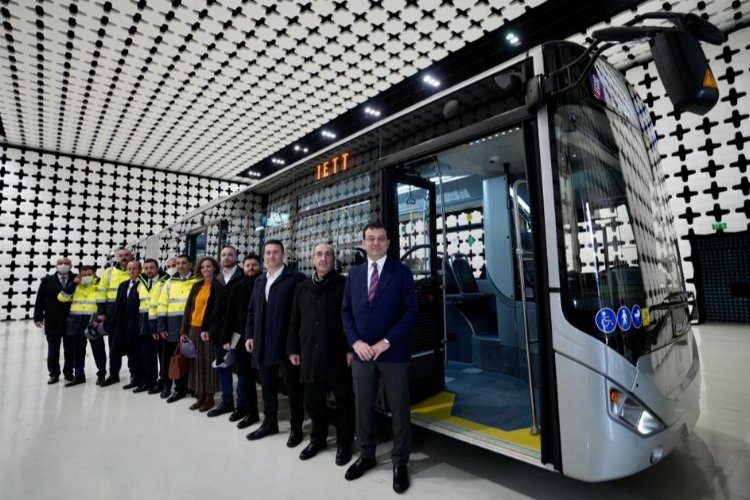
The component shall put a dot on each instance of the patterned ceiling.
(213, 87)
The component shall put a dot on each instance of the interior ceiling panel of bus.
(215, 88)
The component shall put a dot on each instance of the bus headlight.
(624, 407)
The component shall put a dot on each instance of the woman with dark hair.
(201, 324)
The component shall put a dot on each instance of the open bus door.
(409, 217)
(462, 221)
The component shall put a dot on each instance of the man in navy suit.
(378, 310)
(127, 326)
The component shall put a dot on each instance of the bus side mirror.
(684, 70)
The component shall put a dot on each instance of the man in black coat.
(230, 275)
(318, 345)
(246, 410)
(265, 337)
(52, 314)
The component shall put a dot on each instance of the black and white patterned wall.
(705, 158)
(58, 205)
(233, 221)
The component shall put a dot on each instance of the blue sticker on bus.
(624, 320)
(606, 321)
(637, 315)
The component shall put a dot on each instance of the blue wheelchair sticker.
(624, 319)
(637, 315)
(606, 321)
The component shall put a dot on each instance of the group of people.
(319, 334)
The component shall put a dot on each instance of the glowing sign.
(331, 167)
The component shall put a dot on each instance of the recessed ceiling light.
(429, 80)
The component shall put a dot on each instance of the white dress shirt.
(228, 274)
(270, 278)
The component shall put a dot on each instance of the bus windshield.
(619, 255)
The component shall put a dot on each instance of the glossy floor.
(86, 442)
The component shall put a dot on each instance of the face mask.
(171, 271)
(87, 280)
(63, 268)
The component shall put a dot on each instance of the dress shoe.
(237, 415)
(208, 403)
(176, 396)
(263, 431)
(111, 380)
(295, 438)
(53, 379)
(100, 379)
(76, 381)
(343, 455)
(358, 468)
(247, 421)
(165, 394)
(197, 405)
(142, 388)
(400, 478)
(156, 389)
(220, 410)
(311, 450)
(132, 384)
(69, 377)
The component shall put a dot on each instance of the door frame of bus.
(549, 416)
(389, 180)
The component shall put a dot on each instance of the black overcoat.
(316, 331)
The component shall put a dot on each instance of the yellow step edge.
(440, 406)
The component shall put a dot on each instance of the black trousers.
(79, 355)
(246, 377)
(167, 348)
(132, 347)
(147, 357)
(395, 378)
(53, 353)
(315, 404)
(269, 383)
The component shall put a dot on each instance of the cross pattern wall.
(705, 158)
(56, 205)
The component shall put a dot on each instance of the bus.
(529, 203)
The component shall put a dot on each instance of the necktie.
(373, 283)
(132, 288)
(64, 280)
(149, 284)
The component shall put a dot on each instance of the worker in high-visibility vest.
(170, 269)
(110, 281)
(82, 294)
(172, 301)
(146, 343)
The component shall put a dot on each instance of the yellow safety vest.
(109, 283)
(153, 307)
(83, 300)
(173, 296)
(146, 296)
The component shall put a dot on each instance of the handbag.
(179, 365)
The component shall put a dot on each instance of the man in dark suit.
(318, 345)
(265, 337)
(378, 310)
(230, 275)
(246, 410)
(126, 326)
(52, 315)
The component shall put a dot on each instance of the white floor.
(88, 442)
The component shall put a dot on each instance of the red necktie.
(373, 282)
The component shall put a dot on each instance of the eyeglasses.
(372, 239)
